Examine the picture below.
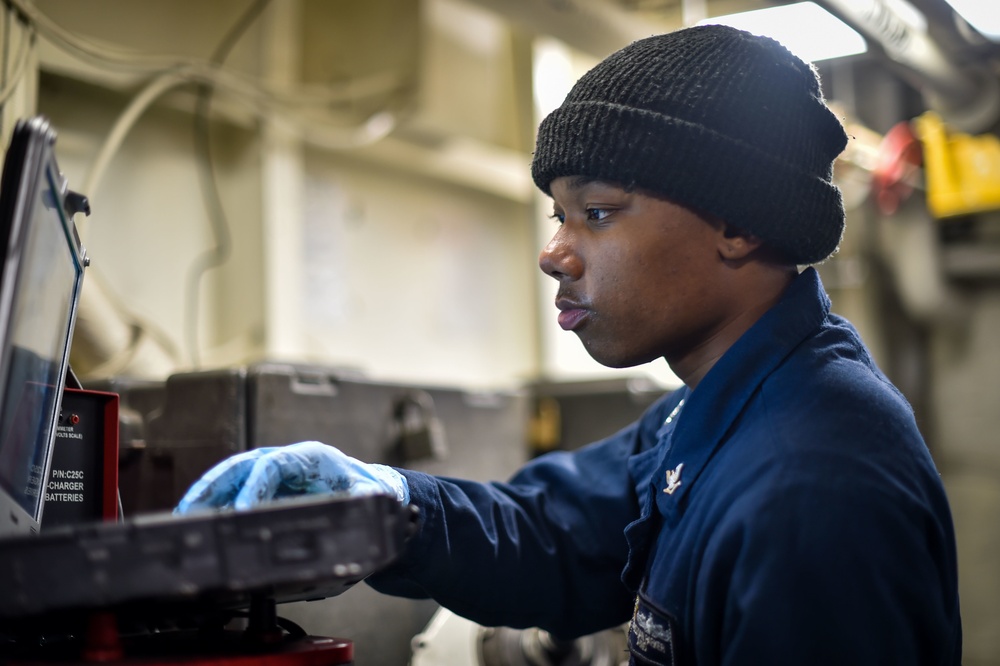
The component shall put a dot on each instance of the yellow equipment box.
(962, 172)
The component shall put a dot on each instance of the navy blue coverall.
(786, 511)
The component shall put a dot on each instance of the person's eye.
(558, 217)
(597, 214)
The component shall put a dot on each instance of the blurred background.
(304, 200)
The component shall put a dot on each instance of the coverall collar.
(710, 410)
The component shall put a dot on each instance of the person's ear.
(735, 244)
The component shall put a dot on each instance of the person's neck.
(756, 293)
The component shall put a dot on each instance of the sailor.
(779, 508)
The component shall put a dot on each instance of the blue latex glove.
(257, 476)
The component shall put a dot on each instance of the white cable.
(126, 120)
(137, 61)
(174, 70)
(101, 52)
(377, 127)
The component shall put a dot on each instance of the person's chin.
(611, 358)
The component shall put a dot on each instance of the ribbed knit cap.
(712, 118)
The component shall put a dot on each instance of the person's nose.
(559, 259)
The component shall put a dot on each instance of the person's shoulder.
(831, 381)
(855, 425)
(829, 413)
(822, 479)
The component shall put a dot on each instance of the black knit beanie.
(712, 118)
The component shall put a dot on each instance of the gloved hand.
(257, 476)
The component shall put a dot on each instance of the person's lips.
(572, 315)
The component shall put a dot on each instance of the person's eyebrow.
(579, 182)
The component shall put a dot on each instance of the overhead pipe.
(966, 95)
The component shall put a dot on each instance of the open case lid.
(41, 270)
